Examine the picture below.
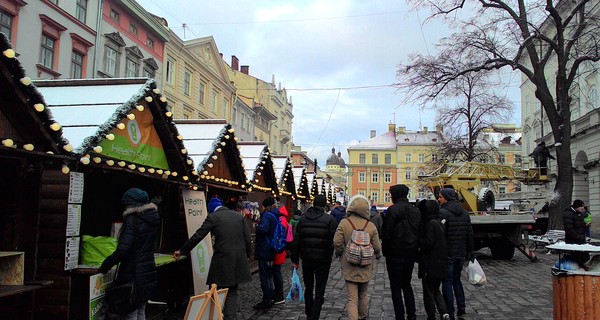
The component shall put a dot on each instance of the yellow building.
(195, 80)
(266, 98)
(397, 156)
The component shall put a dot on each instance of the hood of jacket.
(430, 209)
(359, 205)
(148, 212)
(283, 211)
(314, 213)
(454, 207)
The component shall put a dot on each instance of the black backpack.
(404, 230)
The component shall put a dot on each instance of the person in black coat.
(433, 263)
(400, 243)
(313, 243)
(575, 228)
(135, 251)
(540, 156)
(459, 241)
(232, 248)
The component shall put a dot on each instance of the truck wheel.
(502, 249)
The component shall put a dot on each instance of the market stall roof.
(26, 125)
(214, 150)
(119, 121)
(284, 174)
(311, 178)
(258, 165)
(301, 182)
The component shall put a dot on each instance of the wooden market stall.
(285, 181)
(31, 151)
(303, 191)
(124, 137)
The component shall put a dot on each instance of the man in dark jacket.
(459, 240)
(135, 251)
(433, 262)
(338, 211)
(400, 241)
(232, 248)
(573, 220)
(313, 243)
(264, 253)
(540, 156)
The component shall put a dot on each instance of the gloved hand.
(102, 270)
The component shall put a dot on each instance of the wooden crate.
(12, 268)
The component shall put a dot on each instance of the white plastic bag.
(476, 274)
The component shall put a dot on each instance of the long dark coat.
(574, 226)
(433, 263)
(232, 248)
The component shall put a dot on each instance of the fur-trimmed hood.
(140, 209)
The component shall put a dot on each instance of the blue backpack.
(278, 241)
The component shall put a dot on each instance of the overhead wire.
(328, 119)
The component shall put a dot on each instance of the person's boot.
(279, 299)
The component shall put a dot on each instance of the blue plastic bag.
(295, 293)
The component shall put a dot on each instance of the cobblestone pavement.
(516, 289)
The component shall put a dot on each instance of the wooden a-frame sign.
(207, 306)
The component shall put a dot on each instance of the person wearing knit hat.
(135, 249)
(400, 242)
(264, 254)
(573, 221)
(314, 245)
(214, 204)
(231, 250)
(459, 241)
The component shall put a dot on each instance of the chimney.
(373, 133)
(401, 130)
(235, 63)
(221, 55)
(391, 127)
(439, 128)
(425, 130)
(245, 69)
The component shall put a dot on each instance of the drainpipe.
(97, 41)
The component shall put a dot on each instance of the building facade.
(195, 80)
(53, 39)
(132, 42)
(265, 97)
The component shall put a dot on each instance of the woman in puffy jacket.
(357, 277)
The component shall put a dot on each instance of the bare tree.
(548, 42)
(465, 106)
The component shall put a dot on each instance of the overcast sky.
(337, 59)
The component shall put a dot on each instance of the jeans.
(315, 276)
(358, 301)
(400, 271)
(452, 286)
(265, 273)
(137, 314)
(230, 307)
(432, 298)
(278, 282)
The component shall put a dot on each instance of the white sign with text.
(194, 204)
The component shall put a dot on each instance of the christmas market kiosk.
(285, 182)
(123, 137)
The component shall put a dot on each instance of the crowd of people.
(436, 235)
